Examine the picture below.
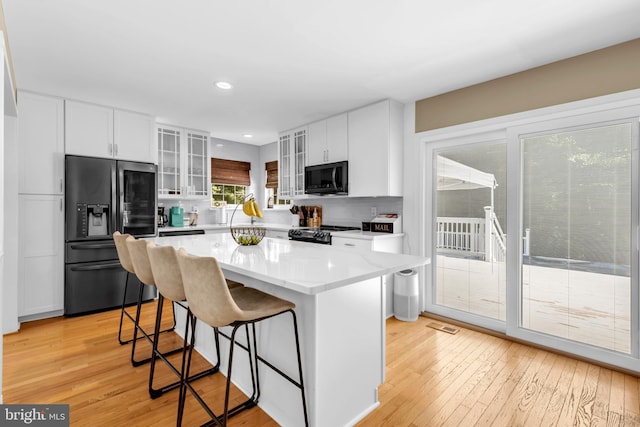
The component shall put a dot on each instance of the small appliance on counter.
(176, 216)
(163, 220)
(193, 217)
(219, 211)
(384, 223)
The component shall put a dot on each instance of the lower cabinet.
(391, 244)
(40, 256)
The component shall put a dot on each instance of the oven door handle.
(95, 267)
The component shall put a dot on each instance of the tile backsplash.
(347, 211)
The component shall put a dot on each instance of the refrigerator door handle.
(94, 267)
(102, 245)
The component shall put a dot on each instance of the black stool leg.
(301, 385)
(186, 366)
(124, 312)
(157, 392)
(151, 338)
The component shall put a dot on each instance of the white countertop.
(299, 266)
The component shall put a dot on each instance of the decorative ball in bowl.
(247, 236)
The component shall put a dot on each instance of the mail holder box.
(384, 223)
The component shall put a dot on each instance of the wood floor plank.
(503, 394)
(615, 415)
(552, 414)
(631, 401)
(543, 400)
(515, 411)
(572, 398)
(601, 402)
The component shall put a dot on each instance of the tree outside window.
(232, 194)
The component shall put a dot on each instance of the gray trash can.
(405, 295)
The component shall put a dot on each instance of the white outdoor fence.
(476, 237)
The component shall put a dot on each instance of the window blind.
(272, 174)
(230, 172)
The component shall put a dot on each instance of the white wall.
(10, 223)
(413, 200)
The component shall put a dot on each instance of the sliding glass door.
(535, 233)
(470, 245)
(576, 219)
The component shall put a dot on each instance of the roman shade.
(230, 172)
(272, 174)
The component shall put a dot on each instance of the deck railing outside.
(480, 238)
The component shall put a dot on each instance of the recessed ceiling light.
(224, 85)
(220, 145)
(248, 135)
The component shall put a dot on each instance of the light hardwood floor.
(433, 378)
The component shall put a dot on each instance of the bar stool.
(166, 272)
(125, 262)
(213, 303)
(142, 268)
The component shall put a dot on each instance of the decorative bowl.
(247, 236)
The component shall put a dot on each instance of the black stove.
(320, 234)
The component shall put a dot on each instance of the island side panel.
(350, 358)
(342, 346)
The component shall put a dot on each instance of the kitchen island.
(340, 301)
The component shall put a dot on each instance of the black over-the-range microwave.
(329, 178)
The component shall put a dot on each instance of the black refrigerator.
(102, 196)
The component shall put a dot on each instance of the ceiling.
(291, 62)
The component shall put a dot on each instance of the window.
(232, 194)
(229, 180)
(271, 185)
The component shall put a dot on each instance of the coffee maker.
(163, 220)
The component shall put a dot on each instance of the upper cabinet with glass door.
(183, 170)
(292, 158)
(197, 165)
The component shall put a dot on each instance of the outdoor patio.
(588, 307)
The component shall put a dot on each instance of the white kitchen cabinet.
(133, 135)
(101, 131)
(40, 144)
(40, 256)
(375, 150)
(292, 158)
(328, 140)
(383, 243)
(183, 163)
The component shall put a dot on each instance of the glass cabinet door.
(300, 160)
(197, 159)
(169, 182)
(284, 163)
